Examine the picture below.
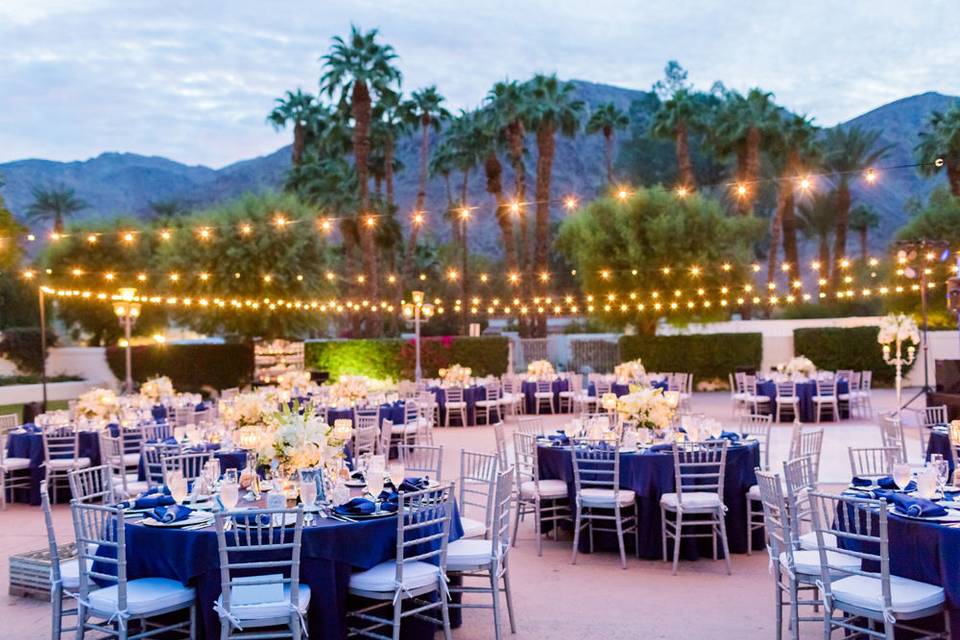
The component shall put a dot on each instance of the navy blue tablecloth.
(624, 389)
(233, 459)
(650, 475)
(390, 411)
(331, 551)
(30, 445)
(805, 392)
(529, 388)
(939, 442)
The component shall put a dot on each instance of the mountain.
(124, 183)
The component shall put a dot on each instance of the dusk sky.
(194, 80)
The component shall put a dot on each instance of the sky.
(194, 80)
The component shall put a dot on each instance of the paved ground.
(554, 600)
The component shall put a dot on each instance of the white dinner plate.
(952, 516)
(198, 517)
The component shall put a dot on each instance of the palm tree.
(389, 123)
(793, 150)
(300, 109)
(848, 151)
(54, 203)
(862, 220)
(552, 109)
(817, 221)
(426, 111)
(941, 139)
(606, 119)
(167, 209)
(742, 126)
(673, 121)
(508, 103)
(352, 69)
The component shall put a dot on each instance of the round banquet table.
(232, 459)
(29, 444)
(390, 411)
(650, 474)
(624, 389)
(529, 388)
(805, 392)
(331, 550)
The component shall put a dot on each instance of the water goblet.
(177, 485)
(375, 486)
(396, 471)
(308, 496)
(901, 475)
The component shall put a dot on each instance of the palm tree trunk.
(751, 170)
(953, 177)
(546, 148)
(377, 185)
(360, 107)
(515, 135)
(388, 157)
(824, 250)
(446, 184)
(608, 153)
(788, 218)
(684, 163)
(494, 171)
(58, 222)
(424, 158)
(843, 222)
(299, 142)
(864, 230)
(775, 227)
(464, 276)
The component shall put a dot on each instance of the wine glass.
(396, 471)
(375, 485)
(942, 468)
(927, 483)
(308, 496)
(177, 485)
(230, 493)
(901, 475)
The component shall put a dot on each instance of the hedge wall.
(705, 356)
(835, 348)
(395, 358)
(191, 367)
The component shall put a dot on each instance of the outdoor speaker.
(953, 294)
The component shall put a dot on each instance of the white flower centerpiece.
(348, 391)
(798, 367)
(298, 439)
(630, 371)
(647, 408)
(98, 405)
(294, 381)
(898, 328)
(455, 376)
(540, 370)
(155, 389)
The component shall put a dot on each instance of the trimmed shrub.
(191, 367)
(854, 348)
(706, 356)
(21, 345)
(395, 358)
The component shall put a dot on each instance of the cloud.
(193, 81)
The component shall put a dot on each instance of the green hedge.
(706, 356)
(191, 367)
(835, 348)
(395, 358)
(21, 345)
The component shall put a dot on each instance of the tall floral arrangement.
(649, 408)
(251, 409)
(294, 380)
(456, 375)
(300, 439)
(98, 404)
(349, 390)
(630, 371)
(540, 370)
(896, 327)
(799, 366)
(156, 388)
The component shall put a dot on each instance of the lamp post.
(128, 310)
(414, 311)
(899, 361)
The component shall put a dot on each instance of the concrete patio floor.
(554, 599)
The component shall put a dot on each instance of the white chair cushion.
(605, 497)
(758, 398)
(753, 493)
(487, 403)
(70, 573)
(463, 555)
(456, 405)
(404, 428)
(127, 459)
(143, 596)
(543, 394)
(279, 609)
(382, 578)
(548, 489)
(824, 398)
(472, 528)
(906, 596)
(15, 464)
(808, 562)
(692, 501)
(809, 540)
(68, 463)
(134, 487)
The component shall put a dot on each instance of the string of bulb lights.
(326, 224)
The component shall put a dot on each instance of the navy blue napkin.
(913, 506)
(413, 484)
(362, 507)
(559, 438)
(31, 428)
(150, 500)
(730, 435)
(170, 514)
(884, 482)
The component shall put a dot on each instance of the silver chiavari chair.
(189, 463)
(758, 427)
(787, 399)
(532, 425)
(478, 478)
(422, 460)
(93, 484)
(543, 394)
(826, 398)
(699, 469)
(853, 535)
(600, 505)
(123, 467)
(455, 404)
(365, 439)
(501, 442)
(419, 569)
(891, 433)
(547, 500)
(385, 446)
(927, 418)
(489, 404)
(61, 455)
(487, 559)
(14, 472)
(122, 606)
(258, 533)
(800, 480)
(872, 462)
(866, 393)
(64, 575)
(807, 443)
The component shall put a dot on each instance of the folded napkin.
(150, 500)
(362, 507)
(173, 513)
(560, 438)
(884, 482)
(413, 484)
(730, 435)
(159, 412)
(30, 428)
(662, 447)
(917, 507)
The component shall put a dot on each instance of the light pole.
(413, 311)
(128, 310)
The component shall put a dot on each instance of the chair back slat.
(530, 425)
(596, 465)
(424, 527)
(189, 464)
(101, 539)
(422, 459)
(807, 443)
(501, 440)
(759, 427)
(872, 462)
(92, 484)
(699, 466)
(478, 478)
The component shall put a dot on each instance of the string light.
(570, 203)
(418, 218)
